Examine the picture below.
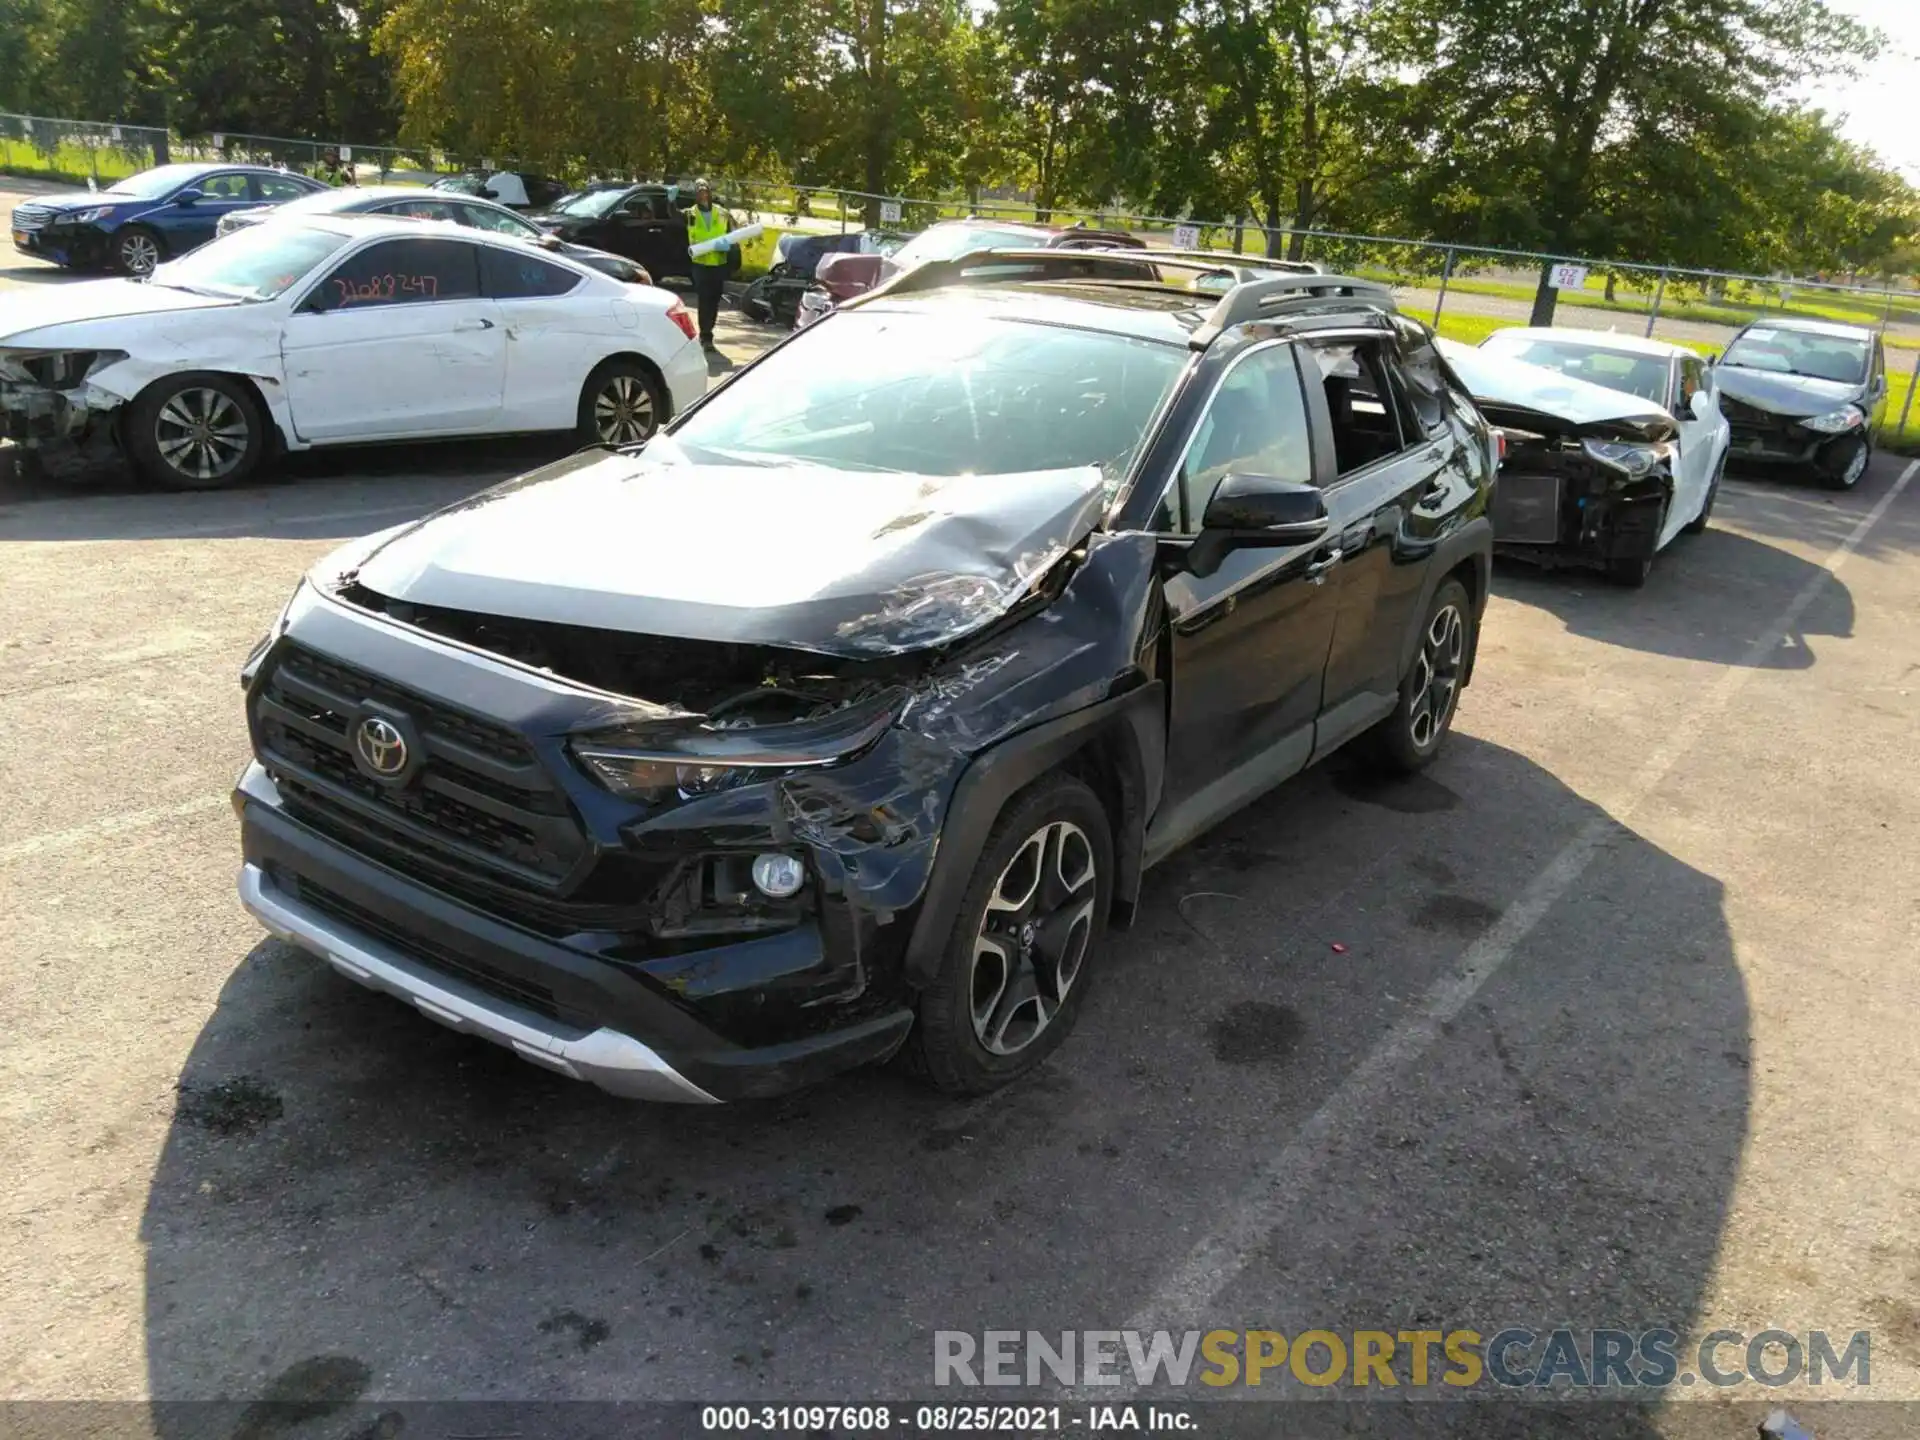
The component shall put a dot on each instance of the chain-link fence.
(1465, 291)
(80, 152)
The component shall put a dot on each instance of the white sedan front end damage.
(340, 330)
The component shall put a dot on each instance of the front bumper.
(1563, 512)
(81, 245)
(580, 1014)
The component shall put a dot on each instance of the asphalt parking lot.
(1607, 1021)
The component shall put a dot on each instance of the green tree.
(1529, 100)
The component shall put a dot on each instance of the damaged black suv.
(843, 716)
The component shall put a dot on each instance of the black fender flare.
(1472, 541)
(1136, 720)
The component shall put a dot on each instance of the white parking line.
(253, 522)
(109, 825)
(1181, 1300)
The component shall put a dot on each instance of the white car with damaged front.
(342, 330)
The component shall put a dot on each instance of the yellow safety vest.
(712, 227)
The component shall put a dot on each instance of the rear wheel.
(136, 250)
(621, 404)
(1017, 967)
(1408, 739)
(196, 432)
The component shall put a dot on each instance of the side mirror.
(549, 242)
(1265, 510)
(1255, 512)
(190, 196)
(1702, 404)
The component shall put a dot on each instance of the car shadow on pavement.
(352, 1203)
(1800, 511)
(1706, 599)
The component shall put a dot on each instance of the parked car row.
(1013, 571)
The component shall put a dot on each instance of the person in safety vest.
(707, 221)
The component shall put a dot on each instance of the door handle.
(474, 325)
(1317, 571)
(1436, 490)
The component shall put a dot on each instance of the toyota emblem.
(382, 748)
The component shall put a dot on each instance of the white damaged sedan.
(341, 330)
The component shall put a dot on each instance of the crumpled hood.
(26, 310)
(1784, 394)
(1503, 381)
(795, 556)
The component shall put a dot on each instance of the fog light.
(778, 876)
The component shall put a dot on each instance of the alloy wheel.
(623, 410)
(1856, 467)
(1437, 675)
(138, 254)
(1033, 938)
(201, 433)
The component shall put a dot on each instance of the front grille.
(479, 798)
(31, 217)
(1751, 417)
(430, 952)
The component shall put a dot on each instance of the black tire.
(622, 403)
(1630, 574)
(953, 1042)
(197, 431)
(1842, 466)
(1406, 742)
(1698, 524)
(136, 250)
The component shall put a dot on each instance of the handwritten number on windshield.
(377, 289)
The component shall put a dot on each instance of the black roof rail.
(1258, 299)
(1248, 301)
(1227, 258)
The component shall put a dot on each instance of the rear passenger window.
(1255, 424)
(1360, 402)
(513, 276)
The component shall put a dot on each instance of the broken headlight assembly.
(1835, 421)
(654, 762)
(1635, 457)
(55, 369)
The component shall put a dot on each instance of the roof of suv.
(1063, 287)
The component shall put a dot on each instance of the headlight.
(659, 762)
(87, 217)
(251, 665)
(58, 369)
(1833, 422)
(1632, 456)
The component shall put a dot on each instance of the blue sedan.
(149, 217)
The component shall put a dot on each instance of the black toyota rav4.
(843, 717)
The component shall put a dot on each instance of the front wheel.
(136, 250)
(621, 404)
(1017, 967)
(196, 432)
(1408, 739)
(1842, 466)
(1698, 524)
